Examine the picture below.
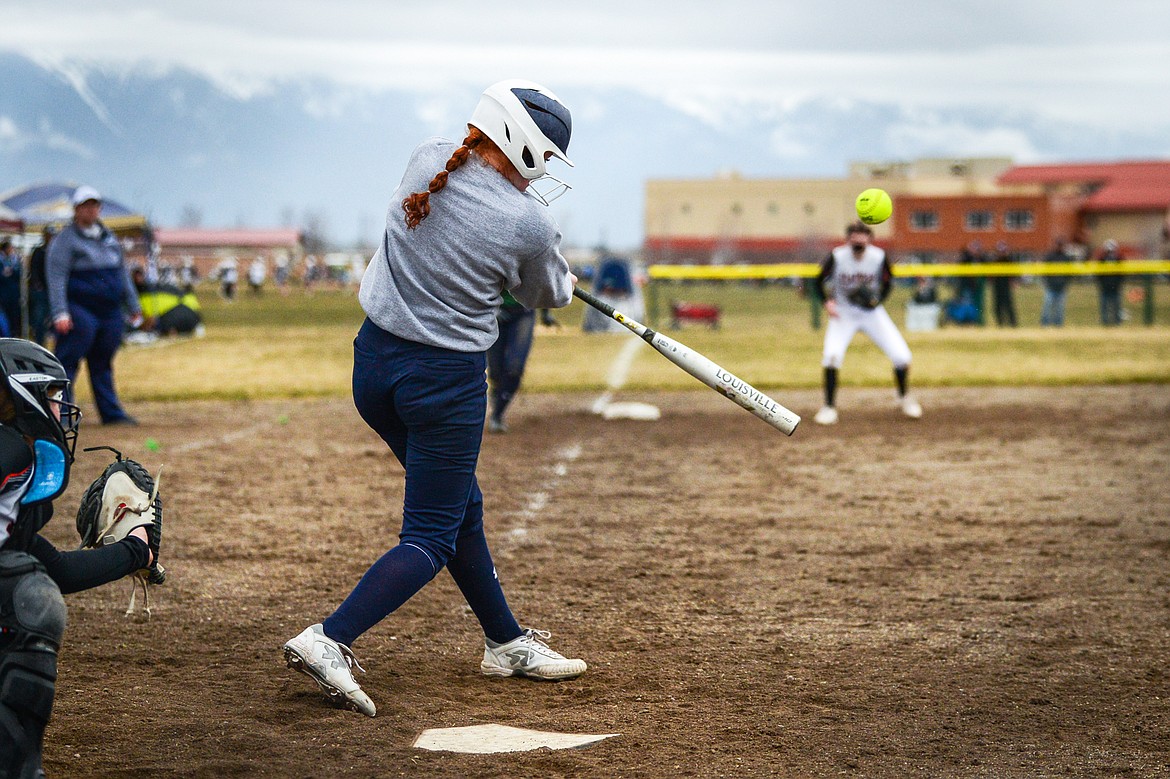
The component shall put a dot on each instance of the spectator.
(38, 288)
(1005, 304)
(164, 273)
(169, 310)
(89, 293)
(229, 276)
(188, 275)
(280, 273)
(1109, 286)
(1055, 287)
(971, 290)
(10, 273)
(924, 291)
(257, 272)
(311, 272)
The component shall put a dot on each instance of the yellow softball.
(874, 206)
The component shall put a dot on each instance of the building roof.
(1120, 186)
(197, 236)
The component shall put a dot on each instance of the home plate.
(627, 410)
(493, 738)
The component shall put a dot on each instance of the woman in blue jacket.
(90, 293)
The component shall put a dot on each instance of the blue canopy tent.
(38, 205)
(10, 221)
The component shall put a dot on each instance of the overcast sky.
(1103, 62)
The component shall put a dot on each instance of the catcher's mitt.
(864, 297)
(123, 498)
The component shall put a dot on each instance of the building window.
(736, 209)
(924, 221)
(686, 208)
(980, 220)
(1019, 219)
(773, 208)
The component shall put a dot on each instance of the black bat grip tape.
(600, 305)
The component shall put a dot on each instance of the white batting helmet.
(526, 121)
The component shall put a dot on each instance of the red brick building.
(939, 227)
(940, 206)
(1126, 201)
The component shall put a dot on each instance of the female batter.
(464, 225)
(860, 275)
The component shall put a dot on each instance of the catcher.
(38, 434)
(860, 276)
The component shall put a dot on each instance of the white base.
(640, 411)
(493, 739)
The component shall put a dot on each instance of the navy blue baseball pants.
(95, 337)
(428, 405)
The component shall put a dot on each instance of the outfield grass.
(300, 344)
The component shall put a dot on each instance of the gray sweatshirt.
(440, 284)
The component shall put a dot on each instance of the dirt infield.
(985, 592)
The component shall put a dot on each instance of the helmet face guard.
(53, 444)
(528, 123)
(36, 384)
(547, 188)
(68, 416)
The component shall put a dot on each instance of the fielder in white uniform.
(854, 280)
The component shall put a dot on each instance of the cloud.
(1065, 60)
(14, 140)
(931, 135)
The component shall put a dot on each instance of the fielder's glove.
(864, 297)
(123, 498)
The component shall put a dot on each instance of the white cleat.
(328, 663)
(826, 416)
(911, 407)
(529, 656)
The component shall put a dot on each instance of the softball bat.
(710, 373)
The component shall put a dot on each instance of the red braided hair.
(418, 205)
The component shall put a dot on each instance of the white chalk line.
(619, 371)
(538, 500)
(226, 438)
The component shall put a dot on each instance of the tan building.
(732, 219)
(940, 206)
(207, 248)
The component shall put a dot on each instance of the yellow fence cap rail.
(806, 270)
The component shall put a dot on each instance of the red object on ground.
(681, 311)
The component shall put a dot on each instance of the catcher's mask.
(36, 384)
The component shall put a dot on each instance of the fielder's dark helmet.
(36, 382)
